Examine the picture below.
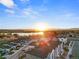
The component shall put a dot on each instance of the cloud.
(10, 11)
(7, 3)
(66, 18)
(30, 13)
(45, 1)
(24, 0)
(43, 6)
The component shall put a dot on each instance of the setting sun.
(41, 26)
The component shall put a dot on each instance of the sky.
(23, 14)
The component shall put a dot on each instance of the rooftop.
(43, 51)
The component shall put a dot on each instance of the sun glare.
(41, 26)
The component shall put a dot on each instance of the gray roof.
(42, 52)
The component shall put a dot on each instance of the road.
(75, 50)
